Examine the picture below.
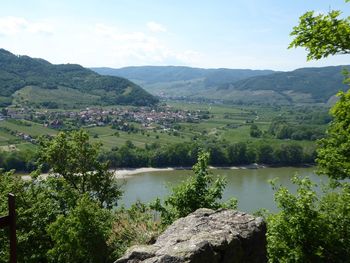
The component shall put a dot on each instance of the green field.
(29, 127)
(230, 123)
(61, 96)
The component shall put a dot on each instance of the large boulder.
(206, 236)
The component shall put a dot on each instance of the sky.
(198, 33)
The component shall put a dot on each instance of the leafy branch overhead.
(322, 35)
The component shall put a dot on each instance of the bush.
(199, 191)
(309, 228)
(133, 226)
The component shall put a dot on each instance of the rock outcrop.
(206, 236)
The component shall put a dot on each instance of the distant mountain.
(180, 81)
(27, 80)
(305, 85)
(312, 84)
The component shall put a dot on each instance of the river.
(249, 186)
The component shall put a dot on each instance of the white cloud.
(140, 48)
(11, 25)
(155, 27)
(92, 44)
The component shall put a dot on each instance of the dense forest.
(17, 72)
(182, 155)
(320, 83)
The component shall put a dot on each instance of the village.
(123, 118)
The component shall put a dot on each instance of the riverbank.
(127, 172)
(122, 173)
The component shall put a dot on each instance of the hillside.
(180, 81)
(23, 79)
(305, 85)
(313, 84)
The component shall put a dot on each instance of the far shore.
(122, 173)
(128, 172)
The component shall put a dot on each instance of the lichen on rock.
(206, 236)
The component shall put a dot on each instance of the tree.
(199, 191)
(325, 35)
(35, 210)
(290, 154)
(237, 153)
(322, 35)
(265, 154)
(309, 228)
(82, 235)
(255, 131)
(333, 155)
(72, 157)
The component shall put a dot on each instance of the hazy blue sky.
(201, 33)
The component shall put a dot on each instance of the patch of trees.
(22, 161)
(282, 129)
(221, 154)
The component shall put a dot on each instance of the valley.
(240, 116)
(238, 86)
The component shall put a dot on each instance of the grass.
(62, 96)
(107, 136)
(32, 128)
(227, 122)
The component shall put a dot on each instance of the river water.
(249, 186)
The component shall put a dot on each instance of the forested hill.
(24, 78)
(319, 84)
(304, 85)
(153, 74)
(180, 81)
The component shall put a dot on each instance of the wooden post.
(12, 225)
(10, 221)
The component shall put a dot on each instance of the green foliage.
(280, 128)
(237, 154)
(199, 191)
(135, 225)
(172, 76)
(81, 236)
(334, 152)
(322, 35)
(322, 83)
(35, 211)
(73, 157)
(309, 228)
(265, 154)
(67, 216)
(291, 154)
(255, 131)
(221, 154)
(325, 35)
(234, 85)
(18, 72)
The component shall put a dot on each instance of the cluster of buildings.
(100, 117)
(25, 137)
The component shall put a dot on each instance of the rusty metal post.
(12, 226)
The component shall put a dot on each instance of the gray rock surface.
(206, 236)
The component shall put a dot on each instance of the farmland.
(221, 122)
